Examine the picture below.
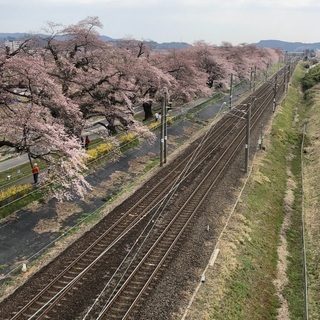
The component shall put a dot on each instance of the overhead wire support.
(248, 114)
(162, 132)
(231, 89)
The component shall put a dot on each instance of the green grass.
(250, 292)
(152, 164)
(312, 195)
(20, 203)
(294, 289)
(3, 266)
(15, 174)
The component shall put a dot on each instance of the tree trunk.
(147, 110)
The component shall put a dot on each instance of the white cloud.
(283, 3)
(174, 3)
(214, 21)
(113, 3)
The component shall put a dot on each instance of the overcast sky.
(213, 21)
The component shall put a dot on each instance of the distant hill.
(11, 36)
(168, 45)
(107, 39)
(159, 46)
(288, 46)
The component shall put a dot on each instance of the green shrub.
(311, 78)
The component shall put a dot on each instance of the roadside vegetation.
(311, 78)
(259, 271)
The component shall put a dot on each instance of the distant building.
(13, 45)
(318, 53)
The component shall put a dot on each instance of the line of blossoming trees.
(53, 84)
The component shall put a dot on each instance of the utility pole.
(165, 131)
(247, 138)
(285, 78)
(162, 131)
(274, 93)
(267, 69)
(230, 95)
(288, 76)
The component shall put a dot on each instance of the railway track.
(151, 229)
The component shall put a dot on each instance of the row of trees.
(311, 78)
(53, 84)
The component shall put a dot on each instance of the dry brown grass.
(63, 211)
(118, 178)
(211, 296)
(282, 279)
(138, 164)
(311, 180)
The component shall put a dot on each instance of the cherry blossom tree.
(36, 118)
(136, 47)
(52, 85)
(220, 62)
(213, 61)
(102, 78)
(187, 81)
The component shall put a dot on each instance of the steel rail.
(136, 220)
(184, 212)
(256, 115)
(74, 263)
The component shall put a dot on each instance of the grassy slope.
(312, 200)
(242, 283)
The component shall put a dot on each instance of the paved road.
(92, 131)
(13, 162)
(18, 160)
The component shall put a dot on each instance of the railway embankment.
(268, 261)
